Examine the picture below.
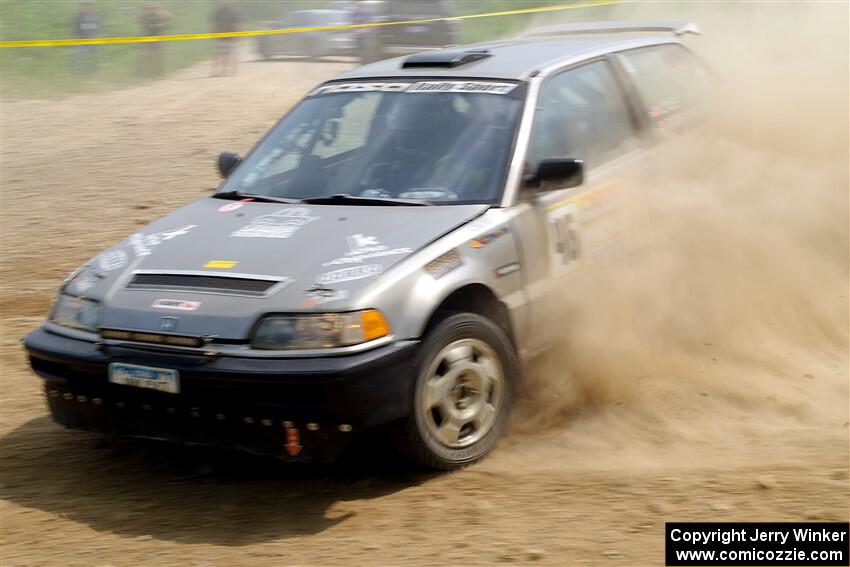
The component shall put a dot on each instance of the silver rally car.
(387, 255)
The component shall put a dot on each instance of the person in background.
(152, 57)
(225, 19)
(85, 25)
(367, 37)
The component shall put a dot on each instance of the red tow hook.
(293, 441)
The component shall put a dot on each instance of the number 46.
(565, 246)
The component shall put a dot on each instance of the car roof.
(515, 59)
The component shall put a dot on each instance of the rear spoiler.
(674, 27)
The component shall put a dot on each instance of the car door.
(582, 112)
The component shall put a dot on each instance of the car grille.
(200, 282)
(152, 338)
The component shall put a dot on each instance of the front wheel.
(465, 376)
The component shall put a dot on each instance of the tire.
(466, 373)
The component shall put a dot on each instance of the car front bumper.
(296, 408)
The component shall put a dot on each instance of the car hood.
(313, 257)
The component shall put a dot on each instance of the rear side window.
(581, 114)
(669, 80)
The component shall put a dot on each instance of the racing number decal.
(564, 244)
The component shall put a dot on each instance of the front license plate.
(160, 379)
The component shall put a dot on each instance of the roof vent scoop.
(445, 59)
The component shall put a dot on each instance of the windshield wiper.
(345, 199)
(233, 195)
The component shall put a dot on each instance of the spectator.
(85, 25)
(367, 37)
(152, 57)
(225, 19)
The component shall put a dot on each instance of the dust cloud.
(722, 316)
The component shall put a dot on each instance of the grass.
(45, 72)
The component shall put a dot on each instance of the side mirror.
(556, 173)
(227, 161)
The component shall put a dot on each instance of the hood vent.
(236, 284)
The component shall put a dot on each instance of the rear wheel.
(466, 372)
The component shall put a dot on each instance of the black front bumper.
(298, 408)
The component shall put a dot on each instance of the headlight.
(76, 312)
(325, 330)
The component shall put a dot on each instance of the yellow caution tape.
(191, 36)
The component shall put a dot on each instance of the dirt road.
(642, 433)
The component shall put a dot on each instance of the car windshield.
(439, 142)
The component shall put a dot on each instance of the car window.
(296, 19)
(668, 78)
(442, 142)
(326, 18)
(581, 114)
(336, 18)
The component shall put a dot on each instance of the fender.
(484, 251)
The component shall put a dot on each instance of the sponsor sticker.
(362, 247)
(488, 87)
(142, 243)
(230, 207)
(506, 269)
(176, 304)
(360, 88)
(349, 274)
(221, 264)
(461, 87)
(321, 295)
(114, 260)
(281, 224)
(486, 239)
